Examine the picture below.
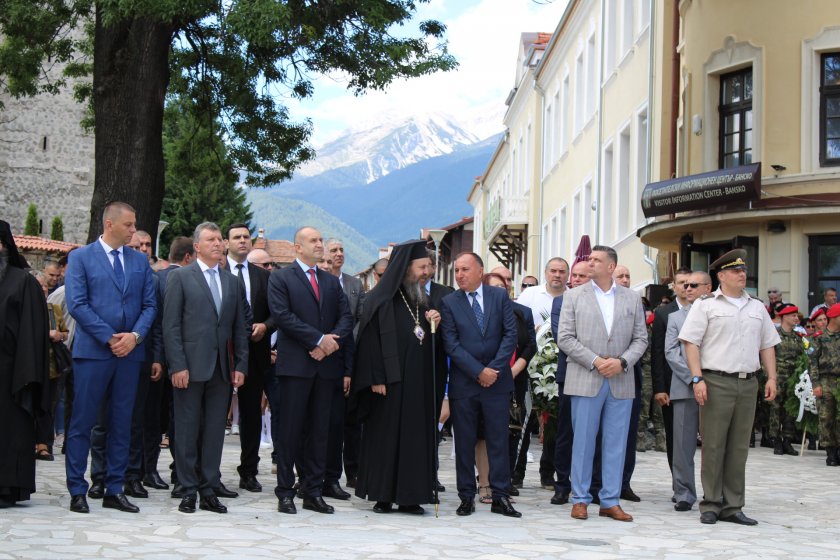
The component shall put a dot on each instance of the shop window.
(830, 109)
(736, 118)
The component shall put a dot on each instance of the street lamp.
(437, 236)
(161, 226)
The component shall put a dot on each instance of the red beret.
(787, 309)
(833, 311)
(817, 313)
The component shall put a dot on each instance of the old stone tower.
(46, 158)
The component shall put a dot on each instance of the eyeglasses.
(695, 285)
(524, 285)
(265, 265)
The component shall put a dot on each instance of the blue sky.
(483, 35)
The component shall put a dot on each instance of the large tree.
(235, 59)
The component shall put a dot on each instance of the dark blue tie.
(118, 270)
(479, 314)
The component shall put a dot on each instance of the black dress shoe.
(629, 495)
(559, 499)
(153, 480)
(222, 492)
(97, 490)
(467, 507)
(440, 487)
(317, 503)
(739, 518)
(120, 502)
(334, 490)
(286, 505)
(177, 491)
(78, 504)
(708, 518)
(187, 504)
(250, 483)
(682, 506)
(512, 491)
(411, 510)
(351, 482)
(502, 505)
(134, 488)
(383, 507)
(212, 503)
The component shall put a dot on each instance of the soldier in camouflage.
(825, 378)
(650, 410)
(788, 351)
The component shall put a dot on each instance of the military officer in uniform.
(782, 428)
(723, 338)
(825, 372)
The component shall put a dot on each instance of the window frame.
(833, 92)
(740, 108)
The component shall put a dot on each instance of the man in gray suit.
(206, 341)
(685, 410)
(602, 331)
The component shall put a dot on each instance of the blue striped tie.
(479, 314)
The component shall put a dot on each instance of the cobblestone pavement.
(794, 498)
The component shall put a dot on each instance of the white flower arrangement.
(542, 370)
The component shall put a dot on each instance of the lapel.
(102, 258)
(203, 287)
(465, 302)
(303, 277)
(592, 303)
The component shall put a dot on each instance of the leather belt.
(737, 374)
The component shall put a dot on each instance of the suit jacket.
(302, 320)
(526, 336)
(194, 335)
(583, 336)
(470, 350)
(556, 307)
(660, 371)
(259, 353)
(101, 308)
(680, 374)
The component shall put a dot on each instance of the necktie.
(314, 283)
(214, 290)
(241, 278)
(479, 314)
(118, 270)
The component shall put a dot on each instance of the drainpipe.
(540, 171)
(648, 256)
(597, 233)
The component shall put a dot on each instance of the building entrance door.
(824, 263)
(699, 256)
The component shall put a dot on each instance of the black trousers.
(250, 422)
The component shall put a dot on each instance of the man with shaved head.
(261, 258)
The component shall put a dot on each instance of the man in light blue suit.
(479, 335)
(111, 295)
(602, 331)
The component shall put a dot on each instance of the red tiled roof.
(281, 251)
(35, 243)
(542, 38)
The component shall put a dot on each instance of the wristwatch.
(696, 379)
(623, 363)
(137, 338)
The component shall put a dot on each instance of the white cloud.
(483, 38)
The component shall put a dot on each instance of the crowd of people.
(359, 382)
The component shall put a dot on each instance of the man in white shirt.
(539, 298)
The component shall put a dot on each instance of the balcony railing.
(512, 210)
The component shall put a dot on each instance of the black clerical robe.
(24, 378)
(396, 462)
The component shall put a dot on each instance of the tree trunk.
(130, 77)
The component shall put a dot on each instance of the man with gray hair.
(205, 337)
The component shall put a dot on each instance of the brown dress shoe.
(579, 511)
(616, 513)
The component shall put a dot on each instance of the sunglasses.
(524, 285)
(265, 265)
(695, 285)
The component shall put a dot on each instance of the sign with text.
(705, 190)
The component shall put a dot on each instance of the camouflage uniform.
(825, 371)
(650, 411)
(788, 352)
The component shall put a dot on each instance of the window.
(548, 140)
(591, 77)
(610, 34)
(587, 208)
(576, 217)
(624, 205)
(627, 27)
(562, 233)
(644, 15)
(736, 118)
(830, 109)
(608, 196)
(563, 117)
(641, 162)
(580, 93)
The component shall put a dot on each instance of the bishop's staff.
(435, 417)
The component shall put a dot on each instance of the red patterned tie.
(314, 284)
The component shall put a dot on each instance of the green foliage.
(201, 182)
(810, 421)
(32, 226)
(237, 60)
(57, 229)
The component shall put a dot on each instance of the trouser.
(686, 422)
(249, 396)
(563, 443)
(45, 424)
(781, 423)
(827, 409)
(726, 421)
(493, 408)
(136, 465)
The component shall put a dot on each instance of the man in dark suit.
(563, 442)
(345, 432)
(110, 293)
(660, 371)
(181, 253)
(203, 322)
(254, 280)
(313, 317)
(479, 335)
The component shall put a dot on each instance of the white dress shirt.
(606, 302)
(246, 276)
(479, 295)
